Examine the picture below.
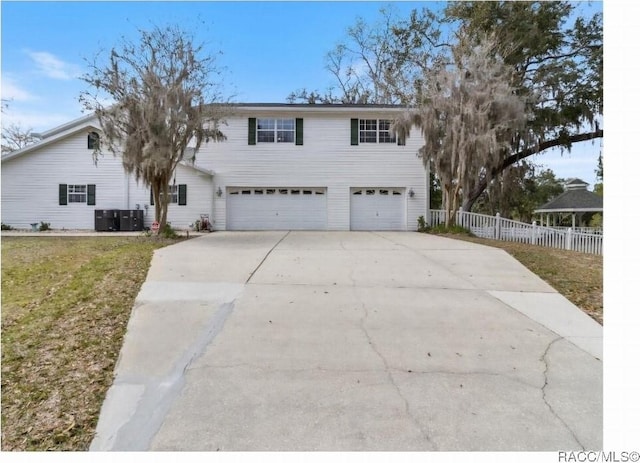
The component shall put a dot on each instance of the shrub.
(44, 226)
(451, 229)
(422, 224)
(4, 226)
(168, 232)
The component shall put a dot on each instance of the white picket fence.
(497, 228)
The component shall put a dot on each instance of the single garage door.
(377, 209)
(276, 208)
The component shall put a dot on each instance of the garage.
(276, 208)
(377, 209)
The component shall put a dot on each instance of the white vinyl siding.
(327, 159)
(41, 172)
(378, 209)
(276, 208)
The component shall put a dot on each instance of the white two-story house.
(281, 167)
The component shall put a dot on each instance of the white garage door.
(272, 208)
(377, 209)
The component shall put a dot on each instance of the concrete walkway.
(351, 341)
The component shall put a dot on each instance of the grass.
(575, 275)
(66, 303)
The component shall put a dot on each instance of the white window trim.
(77, 194)
(378, 131)
(276, 128)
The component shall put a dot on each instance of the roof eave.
(586, 209)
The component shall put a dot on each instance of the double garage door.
(288, 208)
(276, 208)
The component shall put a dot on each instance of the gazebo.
(575, 200)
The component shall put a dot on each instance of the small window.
(173, 194)
(295, 192)
(246, 192)
(283, 191)
(93, 141)
(357, 192)
(258, 192)
(396, 193)
(371, 192)
(384, 192)
(233, 192)
(77, 193)
(319, 192)
(307, 192)
(271, 191)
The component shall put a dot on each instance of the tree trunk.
(473, 196)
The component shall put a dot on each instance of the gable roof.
(87, 123)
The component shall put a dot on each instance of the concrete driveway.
(351, 341)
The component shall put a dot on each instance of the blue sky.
(269, 49)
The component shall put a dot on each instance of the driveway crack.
(265, 257)
(388, 370)
(545, 358)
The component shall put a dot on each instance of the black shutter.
(299, 135)
(252, 130)
(62, 194)
(91, 195)
(151, 193)
(354, 131)
(182, 195)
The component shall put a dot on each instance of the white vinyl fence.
(497, 228)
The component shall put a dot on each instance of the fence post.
(568, 241)
(534, 231)
(498, 226)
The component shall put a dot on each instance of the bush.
(168, 232)
(44, 226)
(6, 227)
(422, 224)
(451, 229)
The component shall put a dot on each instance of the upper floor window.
(376, 131)
(93, 141)
(276, 130)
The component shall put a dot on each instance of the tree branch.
(479, 189)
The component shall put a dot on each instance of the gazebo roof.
(575, 199)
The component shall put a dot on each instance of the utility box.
(107, 220)
(131, 220)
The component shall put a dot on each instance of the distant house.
(576, 201)
(283, 166)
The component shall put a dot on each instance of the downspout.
(126, 190)
(213, 201)
(427, 186)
